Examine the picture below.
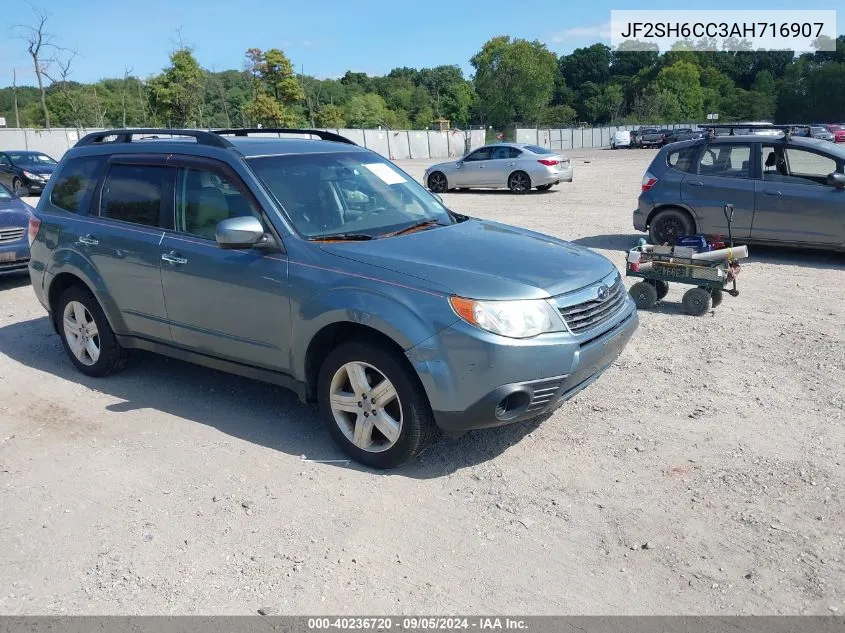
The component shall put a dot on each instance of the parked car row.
(26, 170)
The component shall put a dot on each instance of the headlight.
(515, 319)
(30, 176)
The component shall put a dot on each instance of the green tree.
(366, 110)
(178, 91)
(680, 84)
(514, 80)
(331, 116)
(586, 64)
(264, 109)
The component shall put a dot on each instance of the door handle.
(772, 192)
(172, 258)
(695, 183)
(88, 241)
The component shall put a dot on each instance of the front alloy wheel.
(366, 407)
(81, 333)
(437, 182)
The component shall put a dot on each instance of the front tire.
(86, 334)
(696, 301)
(644, 295)
(437, 182)
(16, 184)
(373, 405)
(668, 225)
(519, 182)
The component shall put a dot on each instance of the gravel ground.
(702, 474)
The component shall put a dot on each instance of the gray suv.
(785, 190)
(320, 266)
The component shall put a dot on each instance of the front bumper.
(477, 380)
(14, 258)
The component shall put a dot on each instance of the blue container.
(696, 242)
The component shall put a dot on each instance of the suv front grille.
(11, 234)
(592, 313)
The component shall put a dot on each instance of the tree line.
(515, 82)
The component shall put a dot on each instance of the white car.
(516, 166)
(621, 138)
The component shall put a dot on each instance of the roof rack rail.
(125, 136)
(322, 134)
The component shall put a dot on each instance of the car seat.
(207, 205)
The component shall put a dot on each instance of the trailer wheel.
(696, 301)
(644, 295)
(661, 286)
(716, 296)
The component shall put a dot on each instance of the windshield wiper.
(345, 237)
(413, 227)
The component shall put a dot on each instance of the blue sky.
(324, 38)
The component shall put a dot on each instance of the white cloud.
(599, 31)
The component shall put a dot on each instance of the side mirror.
(836, 180)
(459, 164)
(243, 232)
(21, 192)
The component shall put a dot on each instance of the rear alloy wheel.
(668, 225)
(437, 182)
(374, 408)
(86, 334)
(543, 187)
(519, 182)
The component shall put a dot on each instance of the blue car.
(320, 266)
(14, 221)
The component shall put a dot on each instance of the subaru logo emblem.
(602, 292)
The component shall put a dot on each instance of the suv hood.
(483, 260)
(38, 169)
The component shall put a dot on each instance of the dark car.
(14, 219)
(650, 137)
(29, 170)
(681, 134)
(785, 190)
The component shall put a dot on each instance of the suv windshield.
(353, 194)
(31, 158)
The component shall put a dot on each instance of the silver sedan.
(517, 166)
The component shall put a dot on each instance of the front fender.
(405, 315)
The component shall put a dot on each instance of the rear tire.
(519, 182)
(86, 334)
(716, 296)
(644, 295)
(392, 424)
(668, 225)
(696, 301)
(662, 287)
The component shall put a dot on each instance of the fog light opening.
(513, 405)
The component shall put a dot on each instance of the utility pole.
(15, 96)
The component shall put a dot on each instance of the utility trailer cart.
(710, 272)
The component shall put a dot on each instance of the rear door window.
(137, 193)
(682, 159)
(727, 161)
(76, 182)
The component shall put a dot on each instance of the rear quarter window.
(76, 182)
(682, 159)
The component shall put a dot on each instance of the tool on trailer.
(692, 261)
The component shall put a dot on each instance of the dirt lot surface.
(702, 474)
